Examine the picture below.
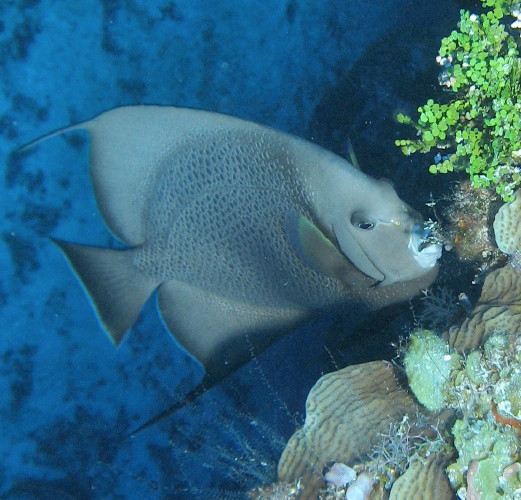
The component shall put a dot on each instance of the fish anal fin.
(221, 333)
(186, 400)
(116, 289)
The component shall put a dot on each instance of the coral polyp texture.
(477, 127)
(468, 214)
(507, 226)
(485, 390)
(428, 364)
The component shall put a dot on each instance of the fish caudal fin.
(117, 289)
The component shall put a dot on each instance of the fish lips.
(426, 256)
(422, 257)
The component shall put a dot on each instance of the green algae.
(428, 364)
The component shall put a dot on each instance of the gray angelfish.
(244, 231)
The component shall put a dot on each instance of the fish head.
(384, 237)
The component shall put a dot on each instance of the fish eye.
(362, 221)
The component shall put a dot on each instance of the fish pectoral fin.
(317, 249)
(117, 290)
(219, 332)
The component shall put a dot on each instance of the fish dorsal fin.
(129, 146)
(352, 155)
(317, 249)
(218, 331)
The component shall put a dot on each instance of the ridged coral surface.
(498, 309)
(424, 481)
(346, 412)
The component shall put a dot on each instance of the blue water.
(68, 398)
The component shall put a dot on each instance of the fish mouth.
(426, 254)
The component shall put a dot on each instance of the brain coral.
(426, 480)
(347, 412)
(498, 309)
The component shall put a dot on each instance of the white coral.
(340, 475)
(361, 488)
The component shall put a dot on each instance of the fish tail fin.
(117, 290)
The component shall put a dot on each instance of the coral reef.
(467, 214)
(488, 392)
(369, 394)
(364, 430)
(498, 309)
(485, 389)
(360, 416)
(424, 479)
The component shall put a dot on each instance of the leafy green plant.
(478, 129)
